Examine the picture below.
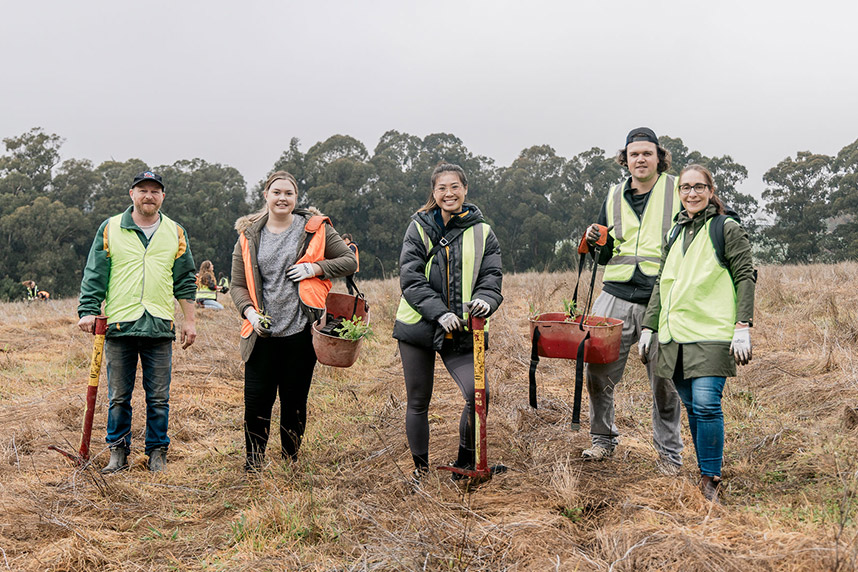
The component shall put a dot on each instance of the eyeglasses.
(685, 190)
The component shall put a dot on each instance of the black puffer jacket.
(442, 291)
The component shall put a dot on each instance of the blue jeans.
(702, 399)
(156, 359)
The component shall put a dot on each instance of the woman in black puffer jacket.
(450, 266)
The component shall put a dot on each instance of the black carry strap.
(534, 361)
(350, 280)
(445, 240)
(579, 383)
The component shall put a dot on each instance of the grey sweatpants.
(418, 365)
(602, 378)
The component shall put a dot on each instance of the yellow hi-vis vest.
(141, 278)
(473, 248)
(698, 297)
(205, 293)
(637, 241)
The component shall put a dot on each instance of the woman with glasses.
(702, 307)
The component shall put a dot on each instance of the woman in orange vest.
(281, 270)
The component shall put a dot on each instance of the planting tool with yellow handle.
(82, 455)
(482, 471)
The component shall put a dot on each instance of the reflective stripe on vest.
(141, 278)
(637, 241)
(698, 298)
(312, 291)
(473, 249)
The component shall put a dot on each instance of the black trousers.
(281, 366)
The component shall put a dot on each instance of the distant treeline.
(538, 206)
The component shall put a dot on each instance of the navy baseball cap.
(641, 134)
(147, 176)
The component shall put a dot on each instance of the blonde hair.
(272, 178)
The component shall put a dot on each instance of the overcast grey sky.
(232, 82)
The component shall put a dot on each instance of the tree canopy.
(538, 205)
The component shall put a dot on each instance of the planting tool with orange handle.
(482, 471)
(100, 329)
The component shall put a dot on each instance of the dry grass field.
(791, 456)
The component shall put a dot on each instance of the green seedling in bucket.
(569, 307)
(354, 329)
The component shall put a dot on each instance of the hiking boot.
(709, 488)
(597, 453)
(464, 460)
(667, 468)
(158, 460)
(418, 474)
(118, 461)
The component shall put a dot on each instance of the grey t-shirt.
(277, 252)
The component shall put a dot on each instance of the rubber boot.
(158, 460)
(709, 488)
(118, 461)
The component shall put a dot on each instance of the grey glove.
(593, 234)
(254, 319)
(740, 347)
(479, 308)
(644, 344)
(301, 271)
(450, 322)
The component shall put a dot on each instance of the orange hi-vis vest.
(313, 291)
(357, 256)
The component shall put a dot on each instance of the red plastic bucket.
(559, 337)
(333, 350)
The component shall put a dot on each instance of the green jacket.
(707, 358)
(96, 276)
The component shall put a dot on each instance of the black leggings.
(418, 365)
(277, 365)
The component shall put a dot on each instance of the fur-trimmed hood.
(246, 221)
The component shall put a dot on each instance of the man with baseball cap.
(639, 212)
(139, 261)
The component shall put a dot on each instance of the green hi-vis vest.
(205, 293)
(141, 278)
(637, 241)
(473, 248)
(698, 298)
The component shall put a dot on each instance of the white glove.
(644, 344)
(301, 271)
(479, 308)
(740, 347)
(253, 317)
(450, 322)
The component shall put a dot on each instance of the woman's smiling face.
(449, 193)
(281, 197)
(694, 191)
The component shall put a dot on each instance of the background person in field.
(139, 262)
(702, 311)
(207, 287)
(441, 284)
(640, 211)
(281, 269)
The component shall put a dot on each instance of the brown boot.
(709, 488)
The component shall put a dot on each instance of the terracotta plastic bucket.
(333, 350)
(559, 337)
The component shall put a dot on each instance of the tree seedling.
(354, 329)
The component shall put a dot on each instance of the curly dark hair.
(664, 158)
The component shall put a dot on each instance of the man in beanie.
(639, 212)
(139, 261)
